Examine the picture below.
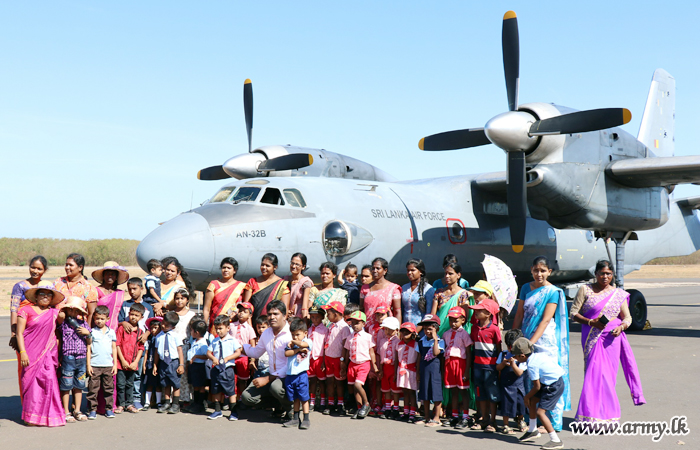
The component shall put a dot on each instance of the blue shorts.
(167, 373)
(297, 387)
(485, 380)
(223, 381)
(73, 373)
(197, 375)
(549, 394)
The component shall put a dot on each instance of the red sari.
(225, 299)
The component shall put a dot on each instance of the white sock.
(148, 397)
(553, 436)
(533, 425)
(159, 396)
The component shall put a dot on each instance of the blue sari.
(554, 340)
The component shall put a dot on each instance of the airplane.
(574, 183)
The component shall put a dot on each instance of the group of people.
(356, 344)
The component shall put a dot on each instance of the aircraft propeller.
(516, 132)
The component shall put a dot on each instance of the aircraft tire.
(638, 310)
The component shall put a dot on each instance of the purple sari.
(602, 354)
(41, 397)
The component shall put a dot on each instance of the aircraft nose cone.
(509, 131)
(243, 166)
(186, 237)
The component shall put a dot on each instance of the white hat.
(391, 323)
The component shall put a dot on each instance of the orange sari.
(225, 299)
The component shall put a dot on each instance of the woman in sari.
(449, 296)
(441, 283)
(544, 321)
(300, 287)
(265, 288)
(38, 349)
(223, 294)
(326, 293)
(174, 279)
(74, 284)
(603, 312)
(380, 292)
(417, 294)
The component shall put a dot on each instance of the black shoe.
(340, 411)
(462, 424)
(196, 408)
(453, 421)
(326, 411)
(395, 414)
(411, 419)
(174, 409)
(293, 421)
(363, 411)
(163, 407)
(404, 418)
(529, 436)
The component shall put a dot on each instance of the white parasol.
(503, 281)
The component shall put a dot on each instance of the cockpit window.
(272, 196)
(223, 194)
(246, 194)
(294, 198)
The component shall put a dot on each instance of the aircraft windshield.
(294, 198)
(246, 194)
(222, 195)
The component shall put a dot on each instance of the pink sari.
(41, 397)
(375, 299)
(114, 302)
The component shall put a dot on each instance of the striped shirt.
(335, 340)
(487, 343)
(73, 343)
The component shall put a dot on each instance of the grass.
(18, 252)
(693, 258)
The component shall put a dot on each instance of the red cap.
(383, 309)
(408, 326)
(153, 319)
(335, 305)
(430, 318)
(246, 305)
(487, 304)
(456, 312)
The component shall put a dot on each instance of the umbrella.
(501, 278)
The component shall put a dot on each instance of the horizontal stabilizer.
(690, 202)
(653, 172)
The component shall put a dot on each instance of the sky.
(109, 109)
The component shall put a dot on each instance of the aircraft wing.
(653, 172)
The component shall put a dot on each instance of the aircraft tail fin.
(657, 130)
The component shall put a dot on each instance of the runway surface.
(668, 357)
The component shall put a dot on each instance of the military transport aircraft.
(573, 184)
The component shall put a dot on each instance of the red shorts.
(332, 367)
(241, 368)
(316, 369)
(389, 379)
(357, 373)
(455, 372)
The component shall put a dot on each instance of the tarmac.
(668, 357)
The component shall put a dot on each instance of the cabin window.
(223, 194)
(294, 198)
(272, 196)
(246, 194)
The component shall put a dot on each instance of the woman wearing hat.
(38, 349)
(75, 283)
(110, 276)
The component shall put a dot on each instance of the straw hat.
(47, 286)
(75, 303)
(112, 265)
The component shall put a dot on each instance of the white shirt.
(275, 346)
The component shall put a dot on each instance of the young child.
(317, 370)
(151, 383)
(152, 295)
(75, 337)
(547, 386)
(101, 362)
(457, 361)
(296, 383)
(430, 347)
(487, 345)
(481, 291)
(359, 350)
(387, 340)
(261, 366)
(244, 333)
(223, 352)
(350, 283)
(168, 363)
(129, 352)
(338, 330)
(197, 357)
(373, 379)
(135, 289)
(511, 384)
(406, 370)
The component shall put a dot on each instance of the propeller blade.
(453, 140)
(287, 162)
(511, 58)
(517, 199)
(582, 122)
(212, 173)
(248, 110)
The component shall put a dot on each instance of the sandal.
(489, 429)
(132, 409)
(70, 418)
(432, 423)
(80, 417)
(419, 422)
(118, 410)
(507, 430)
(475, 427)
(522, 426)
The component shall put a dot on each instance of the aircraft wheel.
(638, 310)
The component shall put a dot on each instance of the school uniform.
(386, 349)
(317, 335)
(244, 333)
(487, 345)
(543, 367)
(197, 371)
(296, 383)
(149, 380)
(359, 346)
(223, 377)
(430, 385)
(169, 359)
(407, 376)
(512, 389)
(456, 344)
(151, 281)
(333, 347)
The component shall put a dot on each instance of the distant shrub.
(693, 258)
(18, 252)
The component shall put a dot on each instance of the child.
(197, 357)
(406, 371)
(296, 383)
(387, 340)
(244, 333)
(152, 295)
(481, 291)
(101, 362)
(168, 363)
(381, 313)
(350, 283)
(547, 386)
(458, 358)
(317, 370)
(135, 289)
(487, 344)
(75, 337)
(129, 352)
(430, 347)
(359, 350)
(222, 353)
(511, 384)
(261, 366)
(338, 330)
(151, 383)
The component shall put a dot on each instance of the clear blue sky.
(109, 109)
